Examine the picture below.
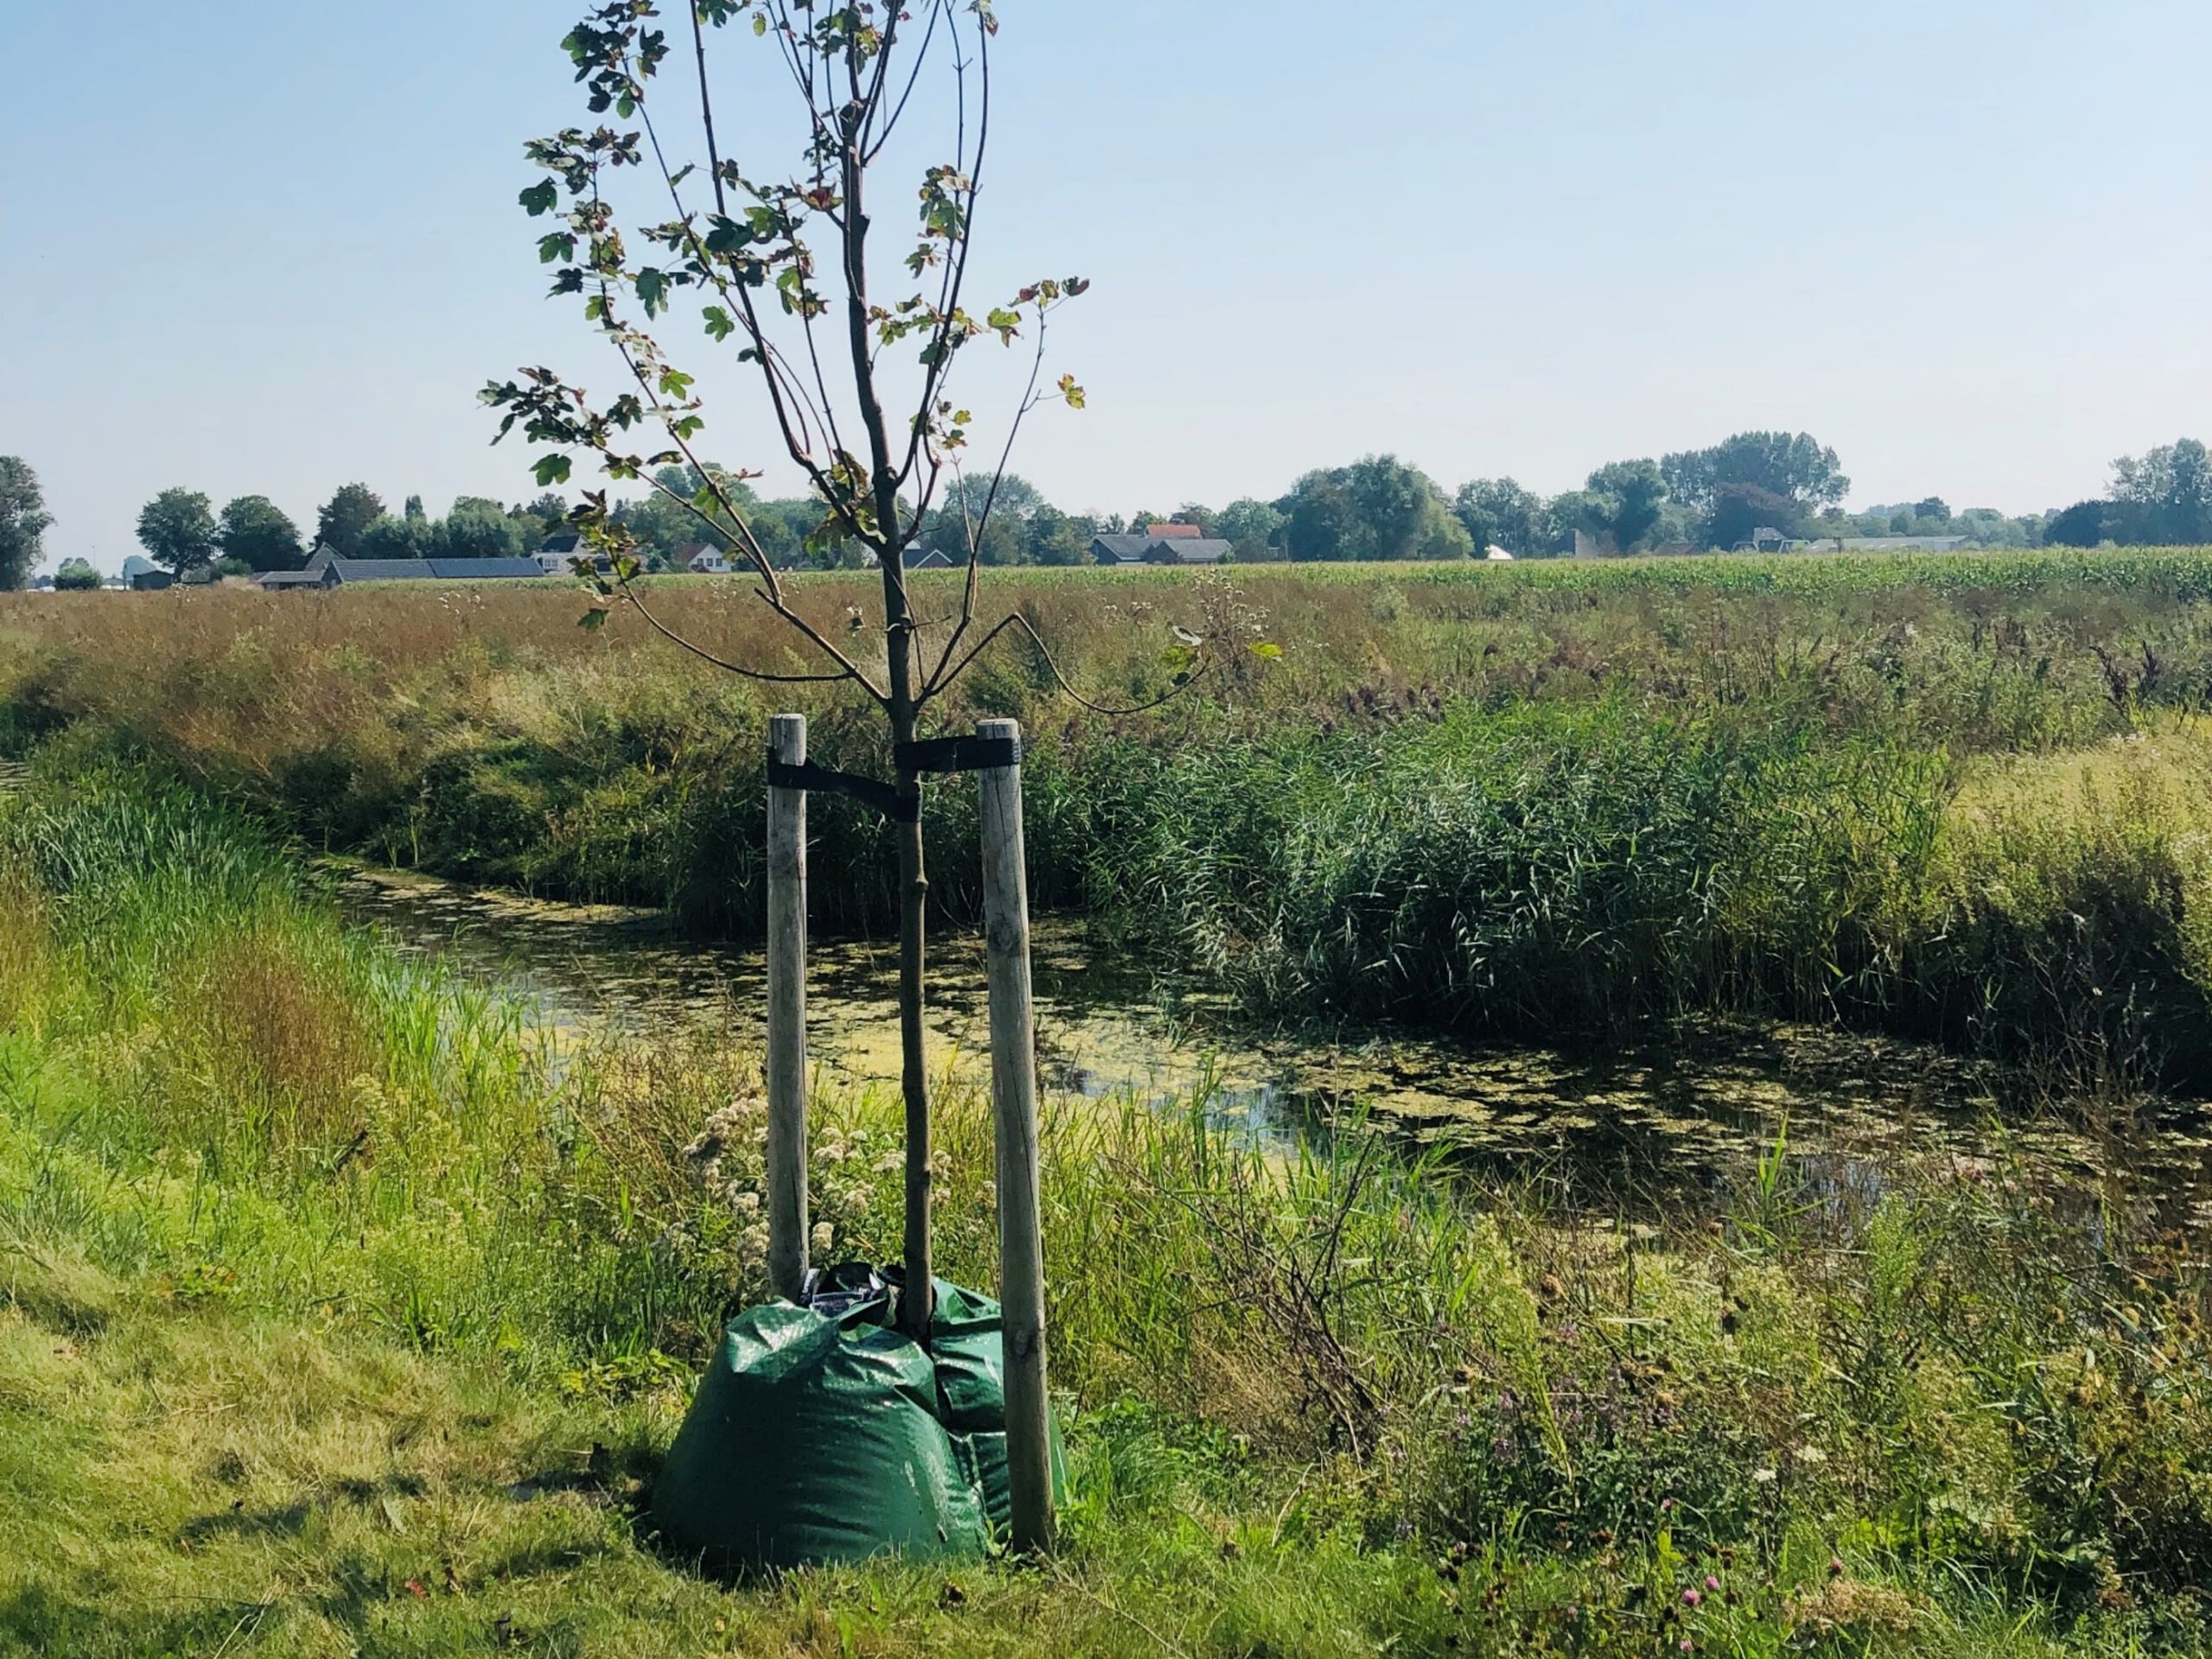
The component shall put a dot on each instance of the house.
(142, 576)
(1161, 544)
(553, 559)
(701, 559)
(1497, 554)
(327, 570)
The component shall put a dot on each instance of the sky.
(263, 247)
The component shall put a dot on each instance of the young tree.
(177, 529)
(854, 355)
(346, 519)
(76, 576)
(24, 521)
(256, 532)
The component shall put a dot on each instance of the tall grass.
(1555, 801)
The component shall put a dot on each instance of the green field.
(344, 1310)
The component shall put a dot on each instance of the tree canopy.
(24, 521)
(255, 532)
(177, 529)
(346, 518)
(1375, 509)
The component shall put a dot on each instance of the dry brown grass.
(291, 1036)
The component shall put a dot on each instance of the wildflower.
(821, 1238)
(747, 1201)
(1691, 1597)
(1711, 1583)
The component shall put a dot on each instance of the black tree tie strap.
(944, 754)
(959, 754)
(867, 791)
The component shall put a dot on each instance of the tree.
(24, 521)
(413, 536)
(790, 276)
(255, 532)
(346, 519)
(478, 528)
(1774, 467)
(1053, 537)
(1498, 512)
(76, 576)
(1620, 504)
(2164, 500)
(1375, 509)
(1738, 511)
(2082, 524)
(1254, 527)
(177, 529)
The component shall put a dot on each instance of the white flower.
(822, 1237)
(748, 1202)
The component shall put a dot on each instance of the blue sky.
(269, 247)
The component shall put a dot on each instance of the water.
(1633, 1131)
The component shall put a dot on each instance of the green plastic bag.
(815, 1440)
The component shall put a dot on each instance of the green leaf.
(551, 470)
(759, 23)
(719, 325)
(593, 619)
(1269, 651)
(541, 198)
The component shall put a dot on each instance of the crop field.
(346, 1310)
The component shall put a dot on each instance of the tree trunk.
(898, 632)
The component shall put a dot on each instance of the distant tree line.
(181, 531)
(1753, 487)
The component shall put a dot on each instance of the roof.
(292, 579)
(563, 542)
(428, 569)
(1161, 550)
(1187, 532)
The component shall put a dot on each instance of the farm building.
(1161, 544)
(919, 558)
(327, 570)
(142, 576)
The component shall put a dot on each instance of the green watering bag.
(820, 1434)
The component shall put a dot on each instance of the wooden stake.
(1013, 1099)
(787, 1206)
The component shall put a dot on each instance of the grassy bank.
(1959, 796)
(340, 1312)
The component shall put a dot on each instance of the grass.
(341, 1311)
